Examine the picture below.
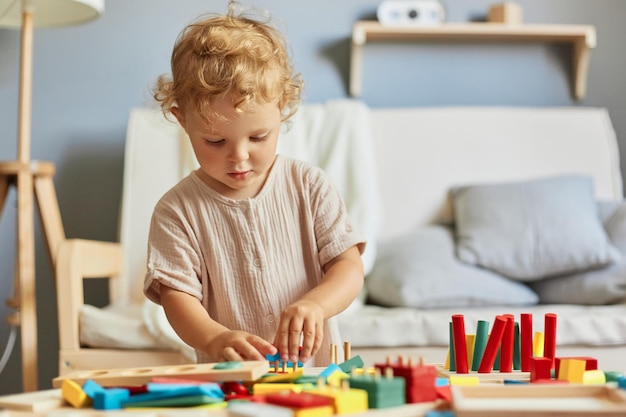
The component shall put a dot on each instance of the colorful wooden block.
(480, 342)
(283, 377)
(572, 370)
(549, 342)
(590, 363)
(345, 400)
(594, 377)
(517, 349)
(538, 342)
(91, 387)
(451, 358)
(540, 369)
(493, 342)
(382, 391)
(464, 380)
(526, 340)
(355, 362)
(508, 341)
(271, 388)
(110, 399)
(74, 394)
(419, 379)
(336, 378)
(460, 346)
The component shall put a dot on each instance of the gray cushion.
(532, 230)
(420, 270)
(597, 287)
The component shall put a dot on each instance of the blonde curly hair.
(229, 54)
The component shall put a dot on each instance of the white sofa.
(396, 167)
(421, 153)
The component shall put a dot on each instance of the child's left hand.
(304, 319)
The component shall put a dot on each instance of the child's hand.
(233, 345)
(302, 318)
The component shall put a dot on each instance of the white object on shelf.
(410, 12)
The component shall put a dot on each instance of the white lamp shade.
(50, 13)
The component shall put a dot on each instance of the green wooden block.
(184, 401)
(382, 391)
(353, 363)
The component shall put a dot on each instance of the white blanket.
(336, 136)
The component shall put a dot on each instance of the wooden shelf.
(582, 37)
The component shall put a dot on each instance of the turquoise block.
(110, 399)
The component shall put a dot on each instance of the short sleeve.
(173, 253)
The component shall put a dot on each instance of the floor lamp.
(33, 179)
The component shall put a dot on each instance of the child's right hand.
(235, 345)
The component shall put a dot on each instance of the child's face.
(235, 155)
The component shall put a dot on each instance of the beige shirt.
(247, 260)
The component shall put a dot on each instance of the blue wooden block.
(441, 381)
(330, 370)
(110, 399)
(276, 358)
(514, 382)
(621, 382)
(172, 393)
(91, 387)
(210, 389)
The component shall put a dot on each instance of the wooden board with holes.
(538, 400)
(243, 371)
(493, 376)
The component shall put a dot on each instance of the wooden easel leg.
(26, 277)
(33, 180)
(50, 214)
(4, 190)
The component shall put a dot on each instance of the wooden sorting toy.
(247, 371)
(509, 348)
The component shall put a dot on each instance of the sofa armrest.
(79, 259)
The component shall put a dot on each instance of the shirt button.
(257, 262)
(270, 319)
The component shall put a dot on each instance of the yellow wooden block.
(361, 371)
(314, 411)
(212, 406)
(270, 388)
(446, 365)
(286, 377)
(336, 377)
(572, 370)
(74, 394)
(594, 377)
(463, 380)
(469, 343)
(538, 344)
(345, 400)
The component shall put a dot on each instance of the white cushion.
(420, 270)
(531, 230)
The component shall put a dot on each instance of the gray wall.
(86, 78)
